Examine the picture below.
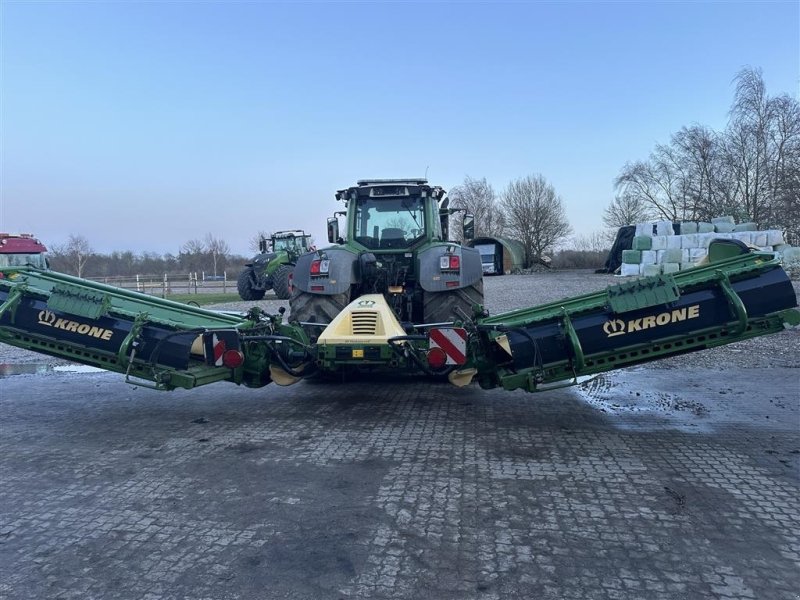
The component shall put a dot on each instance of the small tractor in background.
(396, 245)
(21, 249)
(271, 269)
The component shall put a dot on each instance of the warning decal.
(453, 341)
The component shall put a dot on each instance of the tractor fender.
(341, 275)
(433, 279)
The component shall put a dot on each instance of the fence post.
(224, 282)
(138, 284)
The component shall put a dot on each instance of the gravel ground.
(511, 292)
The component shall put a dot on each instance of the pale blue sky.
(142, 125)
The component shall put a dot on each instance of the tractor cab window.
(287, 243)
(22, 260)
(389, 223)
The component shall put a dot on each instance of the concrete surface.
(646, 483)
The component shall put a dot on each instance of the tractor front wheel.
(280, 281)
(246, 286)
(440, 307)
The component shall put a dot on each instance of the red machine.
(21, 249)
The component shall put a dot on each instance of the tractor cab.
(386, 215)
(22, 249)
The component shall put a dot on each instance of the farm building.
(499, 255)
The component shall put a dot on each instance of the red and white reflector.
(222, 348)
(452, 341)
(233, 359)
(219, 349)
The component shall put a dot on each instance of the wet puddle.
(9, 370)
(639, 398)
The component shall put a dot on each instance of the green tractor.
(395, 244)
(271, 269)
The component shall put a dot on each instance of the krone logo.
(46, 318)
(49, 319)
(614, 327)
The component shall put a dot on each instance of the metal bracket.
(734, 301)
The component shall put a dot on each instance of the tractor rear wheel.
(245, 285)
(280, 281)
(439, 307)
(316, 308)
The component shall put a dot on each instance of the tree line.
(209, 255)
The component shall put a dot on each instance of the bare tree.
(596, 241)
(71, 256)
(192, 255)
(254, 243)
(534, 215)
(218, 249)
(478, 197)
(626, 209)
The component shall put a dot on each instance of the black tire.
(316, 308)
(245, 286)
(439, 307)
(280, 281)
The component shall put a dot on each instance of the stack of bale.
(657, 248)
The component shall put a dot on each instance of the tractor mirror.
(262, 245)
(333, 229)
(469, 226)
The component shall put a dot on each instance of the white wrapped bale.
(791, 255)
(642, 242)
(674, 241)
(644, 229)
(774, 237)
(705, 239)
(743, 236)
(688, 227)
(649, 257)
(670, 267)
(723, 227)
(627, 270)
(651, 270)
(717, 236)
(723, 220)
(759, 238)
(690, 241)
(659, 242)
(705, 227)
(671, 255)
(746, 227)
(664, 228)
(696, 254)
